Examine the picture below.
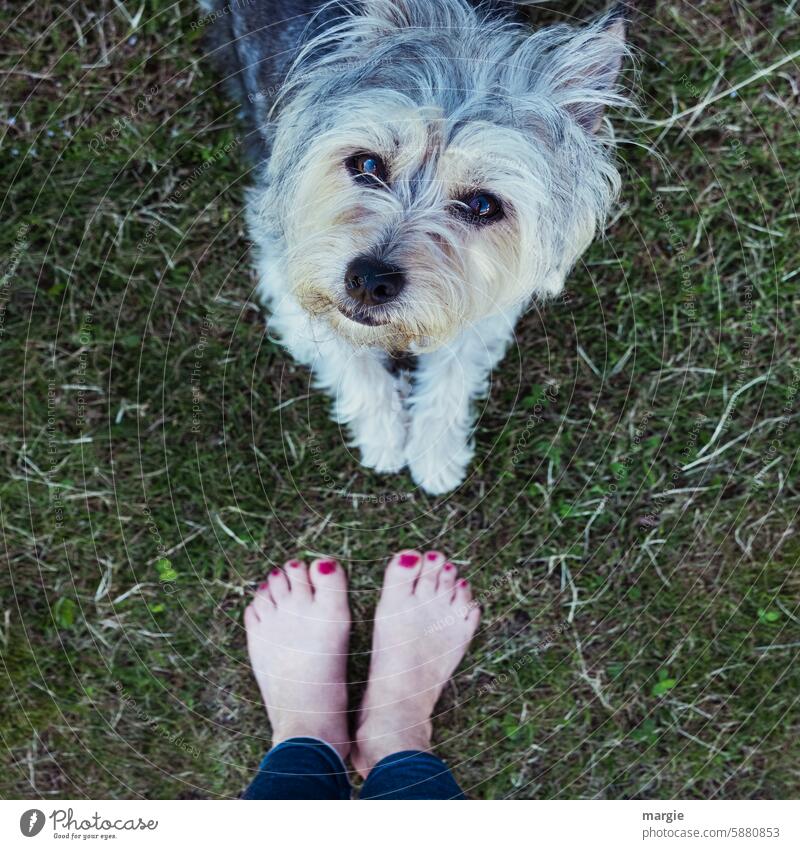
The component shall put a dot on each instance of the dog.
(425, 170)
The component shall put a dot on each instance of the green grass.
(641, 622)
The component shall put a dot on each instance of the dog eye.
(367, 168)
(484, 207)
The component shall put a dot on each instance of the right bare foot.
(297, 631)
(423, 624)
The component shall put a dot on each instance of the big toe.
(402, 573)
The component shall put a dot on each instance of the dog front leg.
(367, 400)
(440, 441)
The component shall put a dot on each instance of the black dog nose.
(371, 282)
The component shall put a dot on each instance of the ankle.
(329, 734)
(374, 743)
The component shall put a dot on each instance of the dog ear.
(586, 68)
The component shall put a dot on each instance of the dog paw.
(382, 459)
(381, 443)
(438, 468)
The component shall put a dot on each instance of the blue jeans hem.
(301, 768)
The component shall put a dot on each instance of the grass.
(630, 522)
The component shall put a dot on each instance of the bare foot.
(423, 624)
(298, 626)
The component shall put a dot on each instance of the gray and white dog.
(426, 169)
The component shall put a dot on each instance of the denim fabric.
(300, 768)
(307, 768)
(411, 775)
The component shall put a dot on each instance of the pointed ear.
(587, 68)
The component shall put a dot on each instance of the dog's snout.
(371, 282)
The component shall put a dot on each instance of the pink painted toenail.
(408, 560)
(448, 567)
(463, 582)
(432, 555)
(275, 573)
(295, 564)
(326, 567)
(263, 586)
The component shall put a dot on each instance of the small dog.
(426, 169)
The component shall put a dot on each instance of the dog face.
(431, 167)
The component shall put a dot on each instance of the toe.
(329, 582)
(447, 577)
(402, 572)
(296, 572)
(262, 601)
(429, 573)
(473, 620)
(251, 618)
(278, 586)
(462, 598)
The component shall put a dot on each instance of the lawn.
(629, 524)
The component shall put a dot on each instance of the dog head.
(432, 166)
